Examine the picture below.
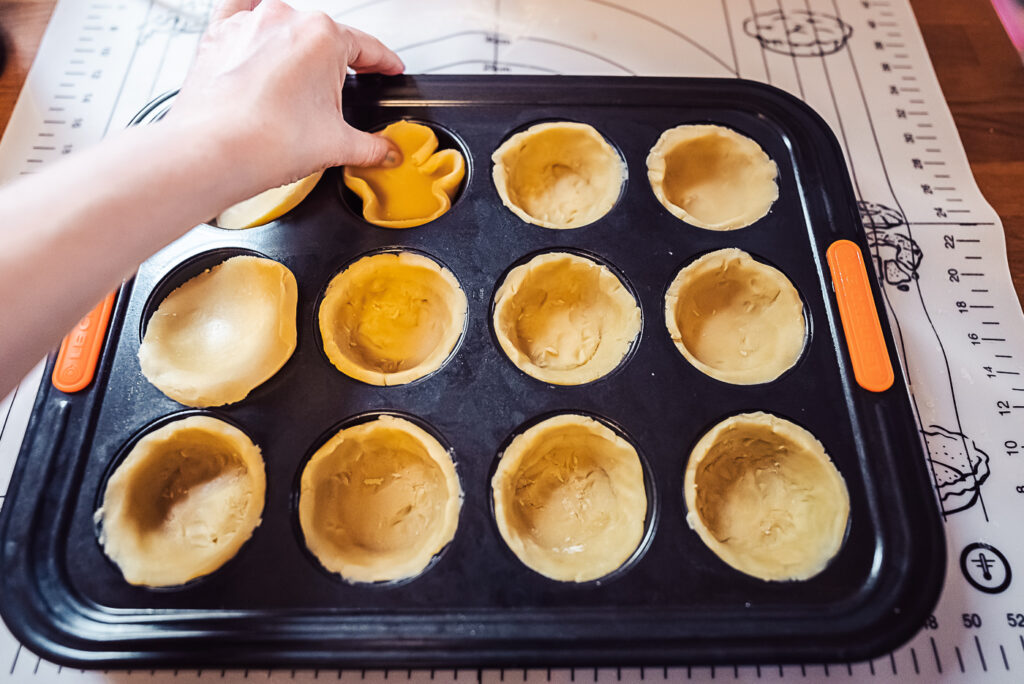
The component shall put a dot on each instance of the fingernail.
(393, 159)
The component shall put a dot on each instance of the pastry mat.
(938, 248)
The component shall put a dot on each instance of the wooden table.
(980, 72)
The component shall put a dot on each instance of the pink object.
(1011, 13)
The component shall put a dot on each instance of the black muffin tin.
(675, 602)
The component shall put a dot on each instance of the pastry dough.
(712, 177)
(419, 190)
(765, 497)
(223, 333)
(389, 319)
(565, 319)
(183, 502)
(735, 318)
(268, 205)
(558, 175)
(379, 500)
(569, 498)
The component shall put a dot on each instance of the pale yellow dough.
(565, 319)
(223, 333)
(765, 497)
(569, 498)
(268, 205)
(183, 502)
(379, 501)
(735, 318)
(712, 177)
(418, 190)
(389, 319)
(558, 175)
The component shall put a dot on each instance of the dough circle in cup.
(392, 318)
(268, 205)
(183, 501)
(569, 498)
(712, 177)
(223, 333)
(379, 500)
(765, 497)
(560, 174)
(734, 318)
(565, 319)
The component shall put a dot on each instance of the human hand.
(266, 84)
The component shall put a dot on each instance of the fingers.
(227, 8)
(367, 54)
(357, 148)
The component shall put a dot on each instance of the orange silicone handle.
(80, 351)
(871, 365)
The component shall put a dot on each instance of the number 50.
(971, 620)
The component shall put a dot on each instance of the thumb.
(358, 148)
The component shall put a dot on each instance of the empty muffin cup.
(222, 333)
(712, 177)
(765, 497)
(736, 319)
(558, 175)
(417, 191)
(569, 498)
(183, 501)
(391, 318)
(565, 319)
(379, 500)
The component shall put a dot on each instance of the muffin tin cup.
(823, 469)
(762, 262)
(116, 462)
(186, 271)
(650, 490)
(447, 139)
(591, 256)
(395, 249)
(675, 602)
(523, 128)
(297, 488)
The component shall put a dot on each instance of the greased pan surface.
(674, 601)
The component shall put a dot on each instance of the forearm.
(260, 107)
(69, 236)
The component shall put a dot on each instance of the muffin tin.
(673, 602)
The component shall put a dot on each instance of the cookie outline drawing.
(897, 256)
(798, 33)
(959, 467)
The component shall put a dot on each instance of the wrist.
(223, 162)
